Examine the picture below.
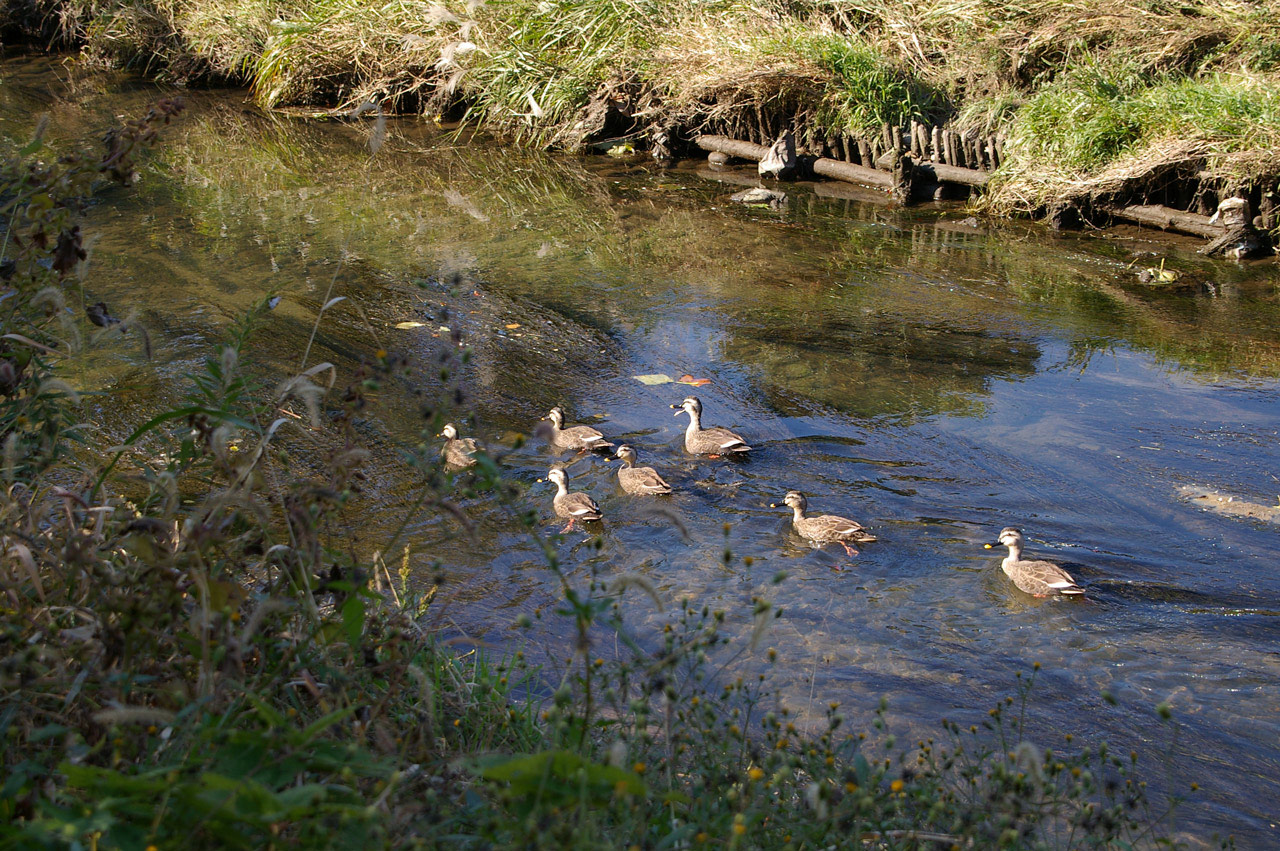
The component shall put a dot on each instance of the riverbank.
(1097, 107)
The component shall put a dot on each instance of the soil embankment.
(1082, 113)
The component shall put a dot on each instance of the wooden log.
(915, 139)
(732, 147)
(1167, 218)
(864, 153)
(886, 138)
(1267, 208)
(903, 171)
(942, 173)
(853, 173)
(922, 172)
(936, 153)
(993, 153)
(949, 142)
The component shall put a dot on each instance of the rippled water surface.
(935, 380)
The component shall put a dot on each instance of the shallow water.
(934, 380)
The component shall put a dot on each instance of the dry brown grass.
(1018, 42)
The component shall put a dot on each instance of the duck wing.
(1044, 578)
(724, 440)
(643, 480)
(833, 528)
(459, 451)
(587, 437)
(578, 506)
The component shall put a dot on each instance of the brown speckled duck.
(639, 480)
(825, 528)
(458, 451)
(580, 437)
(575, 506)
(1041, 578)
(711, 441)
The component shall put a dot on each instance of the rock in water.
(718, 158)
(781, 161)
(760, 195)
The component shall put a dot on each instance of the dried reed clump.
(754, 74)
(1000, 43)
(1102, 132)
(345, 52)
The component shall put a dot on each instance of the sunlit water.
(934, 380)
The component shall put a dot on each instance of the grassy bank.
(194, 654)
(1098, 100)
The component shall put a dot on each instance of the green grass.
(867, 89)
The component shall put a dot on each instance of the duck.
(458, 451)
(638, 480)
(712, 441)
(575, 506)
(1039, 578)
(580, 437)
(825, 528)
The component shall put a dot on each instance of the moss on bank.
(1096, 98)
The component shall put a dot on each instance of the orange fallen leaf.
(511, 326)
(689, 379)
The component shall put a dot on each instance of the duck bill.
(991, 546)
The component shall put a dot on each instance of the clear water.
(934, 380)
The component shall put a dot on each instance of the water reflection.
(932, 379)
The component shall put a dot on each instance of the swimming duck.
(638, 480)
(458, 451)
(711, 441)
(575, 506)
(578, 437)
(1041, 578)
(825, 528)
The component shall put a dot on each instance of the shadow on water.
(933, 379)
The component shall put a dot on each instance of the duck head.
(690, 406)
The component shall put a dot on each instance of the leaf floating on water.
(654, 379)
(626, 149)
(511, 326)
(405, 326)
(690, 380)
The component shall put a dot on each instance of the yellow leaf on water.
(696, 382)
(511, 326)
(651, 380)
(405, 326)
